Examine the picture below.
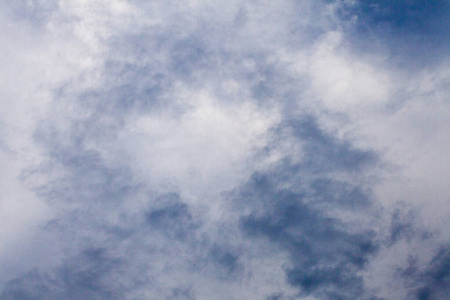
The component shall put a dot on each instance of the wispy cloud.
(198, 150)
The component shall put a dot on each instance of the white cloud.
(220, 79)
(204, 150)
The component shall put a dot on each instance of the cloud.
(283, 150)
(285, 205)
(85, 277)
(430, 281)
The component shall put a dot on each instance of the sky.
(274, 150)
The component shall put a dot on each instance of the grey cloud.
(324, 257)
(174, 218)
(111, 253)
(308, 202)
(404, 225)
(226, 259)
(436, 278)
(280, 296)
(340, 193)
(286, 207)
(188, 56)
(181, 293)
(432, 280)
(325, 152)
(34, 12)
(83, 277)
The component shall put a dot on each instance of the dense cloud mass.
(273, 150)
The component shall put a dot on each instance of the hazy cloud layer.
(200, 150)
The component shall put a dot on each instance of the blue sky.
(224, 150)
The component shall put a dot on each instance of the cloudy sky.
(275, 150)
